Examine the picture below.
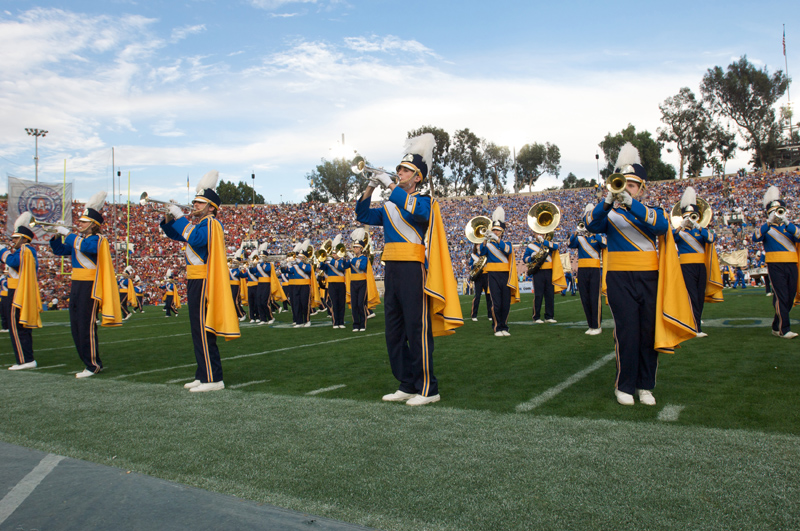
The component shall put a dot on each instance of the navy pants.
(632, 298)
(206, 353)
(501, 299)
(252, 303)
(21, 337)
(409, 338)
(589, 284)
(123, 303)
(336, 292)
(168, 304)
(783, 277)
(694, 275)
(262, 296)
(481, 285)
(82, 314)
(358, 303)
(543, 287)
(301, 305)
(236, 302)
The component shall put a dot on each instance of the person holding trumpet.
(501, 268)
(651, 315)
(93, 282)
(780, 238)
(23, 302)
(335, 267)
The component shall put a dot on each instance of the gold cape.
(276, 292)
(440, 284)
(373, 297)
(674, 317)
(221, 318)
(559, 279)
(26, 296)
(713, 275)
(105, 289)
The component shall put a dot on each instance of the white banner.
(43, 200)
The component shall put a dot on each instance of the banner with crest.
(48, 202)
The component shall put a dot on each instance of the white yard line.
(70, 347)
(176, 380)
(538, 400)
(670, 413)
(51, 366)
(27, 485)
(240, 356)
(245, 384)
(325, 389)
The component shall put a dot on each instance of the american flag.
(784, 42)
(187, 175)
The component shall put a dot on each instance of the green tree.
(466, 162)
(572, 181)
(237, 194)
(747, 96)
(498, 163)
(333, 180)
(534, 160)
(688, 126)
(439, 184)
(649, 153)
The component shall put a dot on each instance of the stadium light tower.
(36, 133)
(253, 175)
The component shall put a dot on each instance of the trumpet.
(144, 199)
(368, 171)
(581, 226)
(616, 183)
(49, 227)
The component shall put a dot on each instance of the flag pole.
(128, 239)
(788, 92)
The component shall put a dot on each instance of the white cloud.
(276, 4)
(179, 34)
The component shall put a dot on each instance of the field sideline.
(527, 435)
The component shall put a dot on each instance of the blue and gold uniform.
(170, 302)
(481, 285)
(124, 292)
(252, 289)
(3, 298)
(23, 301)
(542, 280)
(780, 240)
(358, 290)
(590, 279)
(691, 245)
(499, 255)
(299, 276)
(263, 271)
(334, 269)
(235, 276)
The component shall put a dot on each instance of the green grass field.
(527, 435)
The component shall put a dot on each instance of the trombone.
(49, 227)
(144, 199)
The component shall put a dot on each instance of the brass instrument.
(780, 212)
(144, 199)
(368, 171)
(49, 227)
(477, 267)
(323, 253)
(340, 250)
(477, 229)
(368, 251)
(616, 183)
(702, 217)
(543, 218)
(581, 226)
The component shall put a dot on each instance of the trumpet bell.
(703, 217)
(544, 217)
(477, 228)
(616, 183)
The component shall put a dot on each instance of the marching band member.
(543, 286)
(359, 264)
(263, 270)
(726, 276)
(288, 272)
(334, 268)
(24, 302)
(3, 302)
(172, 300)
(700, 267)
(421, 297)
(501, 268)
(304, 284)
(651, 309)
(481, 285)
(590, 248)
(780, 238)
(236, 275)
(93, 283)
(126, 293)
(138, 289)
(252, 286)
(211, 311)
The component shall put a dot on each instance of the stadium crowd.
(735, 199)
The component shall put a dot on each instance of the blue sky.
(270, 86)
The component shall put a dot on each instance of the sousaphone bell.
(477, 229)
(702, 217)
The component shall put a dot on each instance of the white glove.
(62, 230)
(493, 236)
(350, 255)
(175, 212)
(773, 217)
(384, 179)
(373, 182)
(609, 199)
(625, 198)
(696, 225)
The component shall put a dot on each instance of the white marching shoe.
(506, 333)
(550, 321)
(498, 334)
(398, 396)
(701, 334)
(420, 400)
(86, 373)
(210, 386)
(23, 366)
(789, 335)
(191, 385)
(646, 397)
(623, 398)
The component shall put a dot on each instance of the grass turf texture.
(578, 460)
